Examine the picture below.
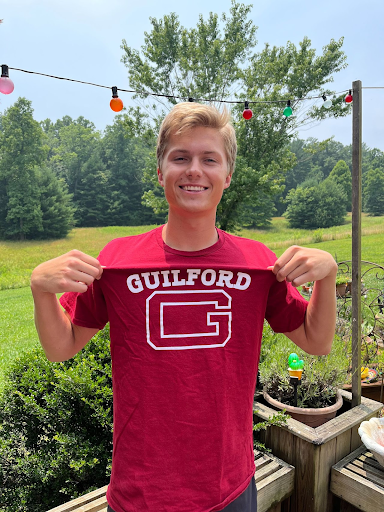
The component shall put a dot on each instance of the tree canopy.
(216, 61)
(24, 182)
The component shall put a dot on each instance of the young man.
(186, 304)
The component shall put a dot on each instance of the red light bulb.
(6, 84)
(247, 114)
(116, 104)
(349, 97)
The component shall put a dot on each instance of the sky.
(81, 39)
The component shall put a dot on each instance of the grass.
(18, 259)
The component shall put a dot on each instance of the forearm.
(53, 327)
(320, 320)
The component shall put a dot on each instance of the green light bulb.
(287, 111)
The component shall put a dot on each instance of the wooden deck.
(358, 480)
(274, 481)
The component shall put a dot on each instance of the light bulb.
(327, 103)
(349, 97)
(247, 113)
(116, 103)
(6, 84)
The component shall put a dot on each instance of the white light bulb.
(327, 104)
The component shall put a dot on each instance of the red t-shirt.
(185, 331)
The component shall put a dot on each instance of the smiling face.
(194, 172)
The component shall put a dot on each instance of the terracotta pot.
(341, 289)
(311, 417)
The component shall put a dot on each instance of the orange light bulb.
(116, 104)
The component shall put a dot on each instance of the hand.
(299, 265)
(71, 272)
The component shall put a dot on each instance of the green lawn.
(17, 260)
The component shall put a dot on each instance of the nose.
(194, 169)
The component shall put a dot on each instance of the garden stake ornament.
(295, 369)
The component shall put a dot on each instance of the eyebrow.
(186, 151)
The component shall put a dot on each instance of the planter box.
(313, 451)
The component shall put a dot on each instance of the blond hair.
(185, 116)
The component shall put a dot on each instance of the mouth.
(193, 188)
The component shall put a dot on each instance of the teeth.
(192, 187)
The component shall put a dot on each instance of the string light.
(116, 103)
(327, 103)
(349, 97)
(288, 110)
(247, 113)
(6, 84)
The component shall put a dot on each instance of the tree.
(322, 206)
(21, 153)
(374, 192)
(33, 202)
(56, 206)
(216, 62)
(73, 144)
(341, 175)
(200, 62)
(125, 149)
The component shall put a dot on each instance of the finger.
(89, 260)
(72, 286)
(302, 279)
(295, 274)
(285, 257)
(80, 277)
(87, 268)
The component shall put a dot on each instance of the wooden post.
(356, 242)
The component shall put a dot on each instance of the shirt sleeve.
(86, 309)
(286, 308)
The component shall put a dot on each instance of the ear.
(227, 181)
(160, 177)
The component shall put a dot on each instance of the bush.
(56, 428)
(322, 206)
(374, 192)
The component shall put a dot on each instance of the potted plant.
(342, 281)
(321, 379)
(307, 287)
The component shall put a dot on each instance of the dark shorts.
(246, 502)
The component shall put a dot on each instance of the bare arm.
(299, 265)
(73, 271)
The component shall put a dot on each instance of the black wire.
(238, 102)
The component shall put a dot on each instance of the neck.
(193, 234)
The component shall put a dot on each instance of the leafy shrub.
(322, 206)
(374, 192)
(56, 428)
(321, 378)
